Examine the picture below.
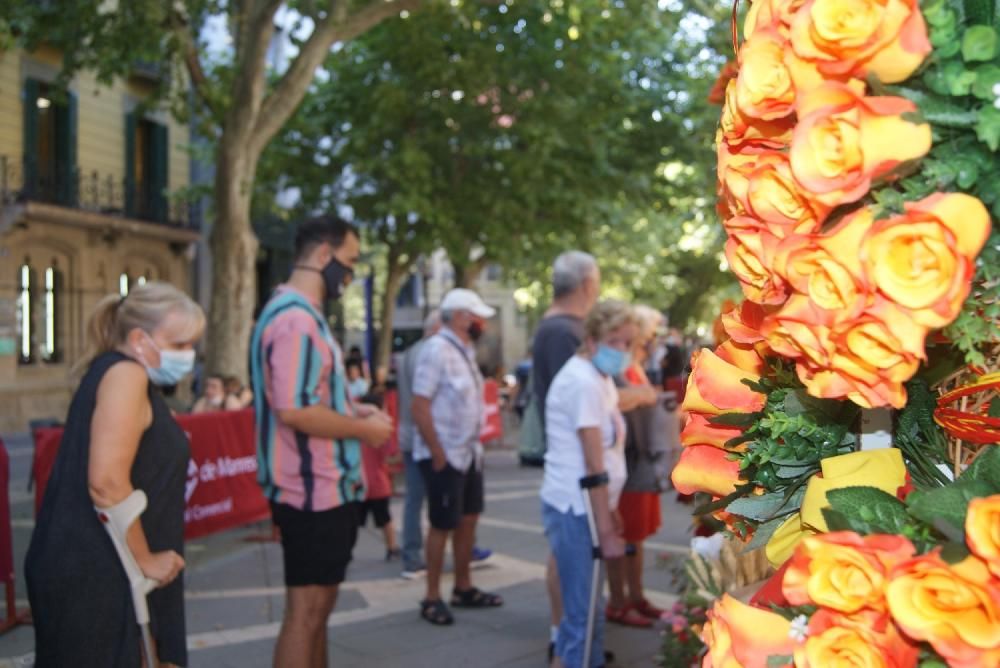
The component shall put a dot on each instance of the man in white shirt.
(448, 412)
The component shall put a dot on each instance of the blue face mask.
(174, 365)
(610, 361)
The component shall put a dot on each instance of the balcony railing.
(88, 190)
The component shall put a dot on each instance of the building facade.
(86, 209)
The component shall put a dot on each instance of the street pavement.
(235, 596)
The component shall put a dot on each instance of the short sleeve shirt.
(296, 363)
(446, 373)
(581, 397)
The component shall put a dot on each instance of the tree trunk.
(234, 263)
(397, 271)
(467, 273)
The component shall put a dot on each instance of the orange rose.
(764, 87)
(773, 197)
(750, 251)
(704, 468)
(956, 608)
(738, 128)
(924, 260)
(734, 170)
(742, 356)
(982, 531)
(714, 387)
(699, 431)
(796, 331)
(776, 14)
(843, 571)
(742, 321)
(865, 641)
(887, 38)
(738, 635)
(844, 140)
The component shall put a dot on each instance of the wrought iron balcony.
(91, 191)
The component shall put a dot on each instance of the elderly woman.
(639, 506)
(585, 435)
(119, 436)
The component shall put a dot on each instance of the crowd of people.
(321, 432)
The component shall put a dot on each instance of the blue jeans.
(569, 538)
(413, 537)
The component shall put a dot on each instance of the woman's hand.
(617, 523)
(612, 544)
(163, 567)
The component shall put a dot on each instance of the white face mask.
(174, 365)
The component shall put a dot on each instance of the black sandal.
(436, 612)
(475, 598)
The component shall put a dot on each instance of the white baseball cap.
(461, 299)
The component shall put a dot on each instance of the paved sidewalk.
(235, 596)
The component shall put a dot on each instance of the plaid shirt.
(447, 374)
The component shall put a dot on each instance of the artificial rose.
(699, 431)
(862, 641)
(956, 608)
(715, 387)
(764, 87)
(843, 571)
(742, 356)
(887, 38)
(797, 332)
(738, 128)
(776, 14)
(742, 321)
(874, 355)
(924, 260)
(982, 531)
(738, 635)
(750, 252)
(844, 140)
(734, 169)
(835, 293)
(774, 198)
(704, 468)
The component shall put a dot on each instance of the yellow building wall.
(101, 121)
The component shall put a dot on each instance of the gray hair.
(570, 270)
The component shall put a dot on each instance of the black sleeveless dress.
(80, 600)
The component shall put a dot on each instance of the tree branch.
(189, 52)
(337, 27)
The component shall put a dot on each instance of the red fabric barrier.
(221, 490)
(493, 423)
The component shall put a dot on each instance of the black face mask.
(475, 331)
(336, 276)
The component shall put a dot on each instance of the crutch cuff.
(595, 480)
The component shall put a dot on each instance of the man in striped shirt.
(309, 435)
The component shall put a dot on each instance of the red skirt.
(640, 513)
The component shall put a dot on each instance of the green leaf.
(764, 533)
(953, 552)
(985, 468)
(947, 504)
(987, 77)
(979, 11)
(994, 409)
(871, 505)
(734, 419)
(766, 506)
(988, 127)
(979, 44)
(779, 661)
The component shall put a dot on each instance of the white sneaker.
(413, 573)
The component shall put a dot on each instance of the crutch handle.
(117, 520)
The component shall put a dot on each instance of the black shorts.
(316, 545)
(451, 494)
(379, 509)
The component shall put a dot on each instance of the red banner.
(493, 422)
(221, 490)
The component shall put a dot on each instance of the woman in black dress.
(119, 436)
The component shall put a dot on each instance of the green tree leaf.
(988, 127)
(979, 43)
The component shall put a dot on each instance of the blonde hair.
(606, 317)
(145, 307)
(648, 320)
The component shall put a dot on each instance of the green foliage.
(921, 440)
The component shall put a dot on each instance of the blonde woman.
(119, 436)
(585, 438)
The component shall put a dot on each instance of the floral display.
(859, 185)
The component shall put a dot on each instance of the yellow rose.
(738, 128)
(843, 141)
(739, 636)
(864, 641)
(773, 197)
(764, 87)
(982, 531)
(956, 608)
(924, 260)
(750, 252)
(887, 38)
(776, 14)
(843, 571)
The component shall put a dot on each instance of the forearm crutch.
(116, 521)
(586, 484)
